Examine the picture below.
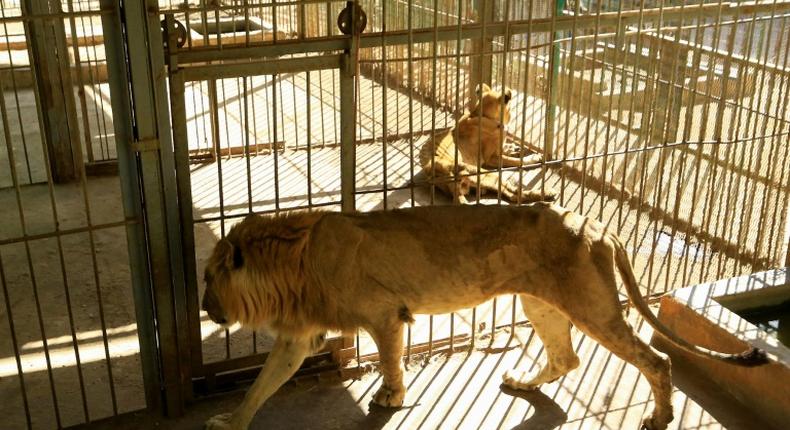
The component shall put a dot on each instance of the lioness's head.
(222, 298)
(492, 104)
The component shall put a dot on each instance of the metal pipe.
(472, 31)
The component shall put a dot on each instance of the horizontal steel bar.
(474, 31)
(265, 67)
(280, 48)
(266, 212)
(217, 7)
(215, 367)
(55, 16)
(65, 232)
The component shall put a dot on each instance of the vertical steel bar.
(568, 87)
(171, 208)
(184, 188)
(480, 73)
(384, 110)
(275, 149)
(347, 120)
(554, 68)
(217, 145)
(434, 54)
(86, 129)
(504, 128)
(310, 135)
(142, 284)
(410, 78)
(524, 93)
(147, 79)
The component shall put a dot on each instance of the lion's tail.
(749, 358)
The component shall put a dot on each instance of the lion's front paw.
(220, 422)
(651, 423)
(389, 397)
(520, 380)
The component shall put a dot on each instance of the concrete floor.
(463, 390)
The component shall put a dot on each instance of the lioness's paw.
(520, 380)
(515, 191)
(533, 159)
(389, 397)
(220, 422)
(549, 195)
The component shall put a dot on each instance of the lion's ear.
(482, 88)
(507, 95)
(229, 254)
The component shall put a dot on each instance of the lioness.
(305, 273)
(478, 137)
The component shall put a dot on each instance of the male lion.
(303, 274)
(478, 138)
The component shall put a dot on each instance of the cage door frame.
(205, 375)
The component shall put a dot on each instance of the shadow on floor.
(316, 405)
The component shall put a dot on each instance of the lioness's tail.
(751, 357)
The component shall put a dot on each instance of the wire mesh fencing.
(667, 122)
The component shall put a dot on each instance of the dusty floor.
(463, 390)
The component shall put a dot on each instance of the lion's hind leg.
(598, 313)
(389, 341)
(554, 331)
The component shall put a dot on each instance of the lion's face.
(493, 104)
(221, 298)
